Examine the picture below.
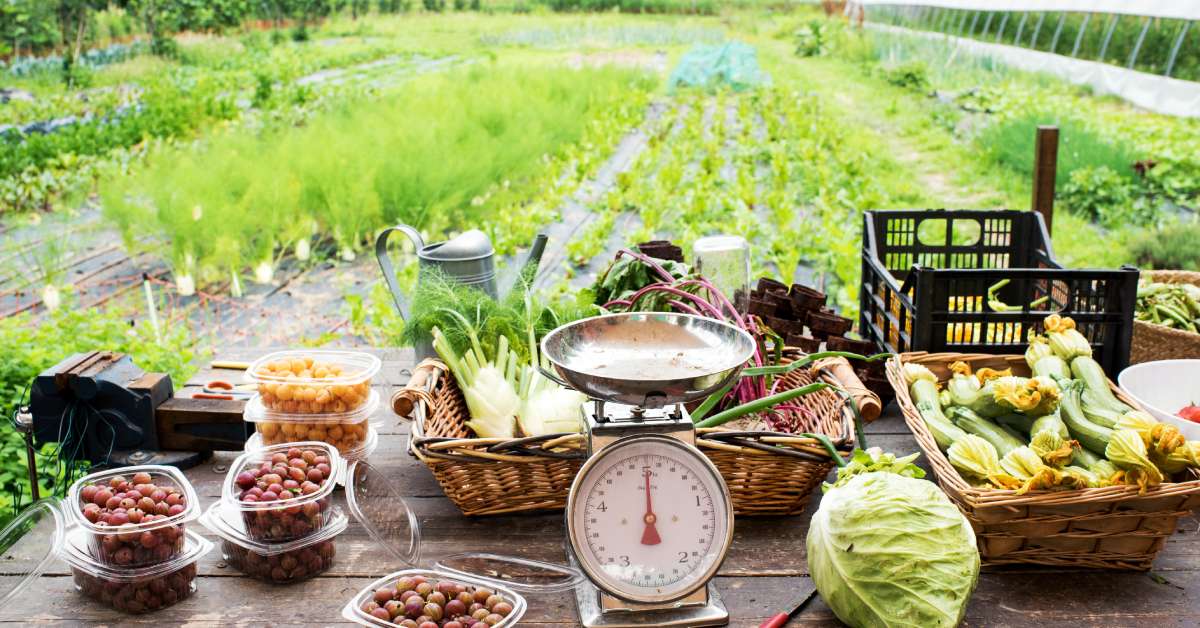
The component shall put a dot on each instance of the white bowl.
(1164, 388)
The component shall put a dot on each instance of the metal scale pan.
(648, 359)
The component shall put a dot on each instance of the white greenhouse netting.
(1156, 93)
(1175, 9)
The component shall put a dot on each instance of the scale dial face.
(650, 519)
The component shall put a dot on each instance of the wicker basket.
(486, 476)
(772, 473)
(767, 473)
(1106, 528)
(1156, 342)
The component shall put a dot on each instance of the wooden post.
(1045, 169)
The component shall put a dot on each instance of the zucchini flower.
(977, 460)
(962, 387)
(1078, 477)
(1052, 448)
(1107, 471)
(1184, 457)
(1127, 451)
(915, 372)
(1038, 348)
(1035, 396)
(1027, 467)
(1160, 439)
(985, 374)
(1066, 341)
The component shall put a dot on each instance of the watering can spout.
(528, 269)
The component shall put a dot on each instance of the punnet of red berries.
(417, 602)
(283, 497)
(135, 521)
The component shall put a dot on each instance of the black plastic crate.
(926, 273)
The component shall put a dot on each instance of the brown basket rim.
(975, 497)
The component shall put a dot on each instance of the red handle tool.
(778, 621)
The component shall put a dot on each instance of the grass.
(428, 154)
(1010, 142)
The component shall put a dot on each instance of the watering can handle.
(385, 262)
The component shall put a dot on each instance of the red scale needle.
(650, 535)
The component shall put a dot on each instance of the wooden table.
(765, 572)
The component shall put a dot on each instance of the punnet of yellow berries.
(303, 385)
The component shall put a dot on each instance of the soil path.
(861, 101)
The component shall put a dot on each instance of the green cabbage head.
(890, 550)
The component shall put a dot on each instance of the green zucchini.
(1092, 436)
(972, 423)
(1021, 422)
(1050, 422)
(925, 397)
(1089, 372)
(1053, 367)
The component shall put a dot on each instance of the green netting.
(734, 64)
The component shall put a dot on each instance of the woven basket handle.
(405, 400)
(869, 405)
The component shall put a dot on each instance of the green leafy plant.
(912, 75)
(1175, 245)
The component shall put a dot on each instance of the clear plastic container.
(292, 518)
(348, 431)
(134, 590)
(360, 452)
(135, 543)
(363, 607)
(314, 381)
(28, 544)
(387, 519)
(276, 563)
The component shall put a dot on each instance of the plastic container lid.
(256, 412)
(28, 544)
(361, 366)
(191, 507)
(255, 443)
(226, 523)
(249, 459)
(389, 520)
(75, 552)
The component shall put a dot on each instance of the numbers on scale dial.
(649, 521)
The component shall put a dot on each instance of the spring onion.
(489, 387)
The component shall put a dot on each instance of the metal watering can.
(468, 259)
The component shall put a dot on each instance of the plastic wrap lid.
(366, 448)
(362, 367)
(27, 545)
(256, 412)
(75, 552)
(227, 523)
(390, 522)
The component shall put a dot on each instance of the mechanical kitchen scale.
(649, 517)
